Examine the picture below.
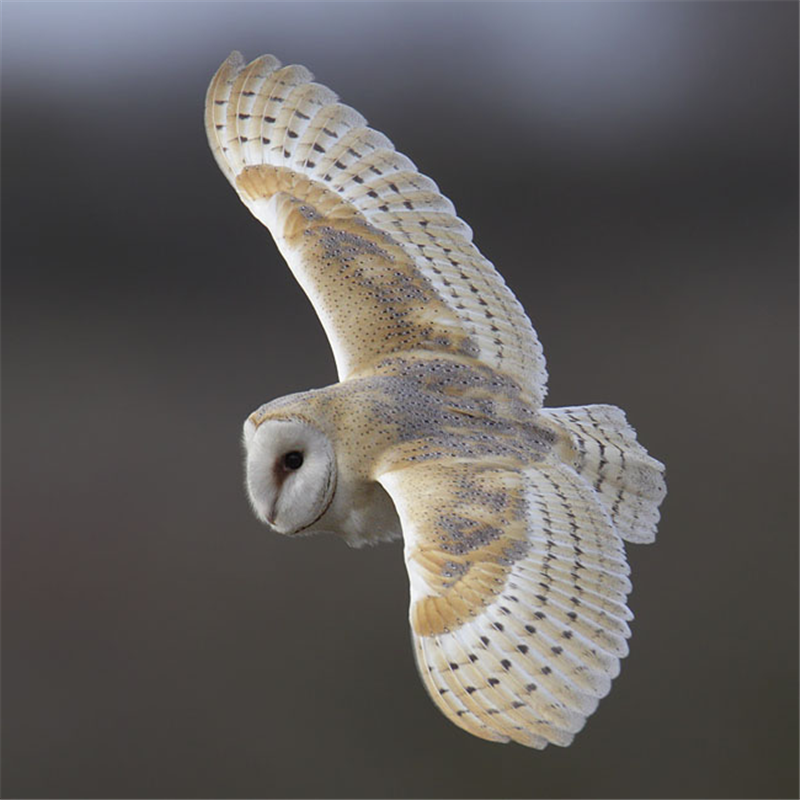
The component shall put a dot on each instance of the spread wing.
(379, 251)
(519, 578)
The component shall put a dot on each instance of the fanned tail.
(628, 481)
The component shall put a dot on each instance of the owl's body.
(513, 516)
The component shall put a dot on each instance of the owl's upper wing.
(519, 584)
(379, 251)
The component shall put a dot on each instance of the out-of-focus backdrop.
(631, 168)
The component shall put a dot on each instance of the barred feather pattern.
(263, 114)
(628, 481)
(532, 660)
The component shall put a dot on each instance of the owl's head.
(290, 472)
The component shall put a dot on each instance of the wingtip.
(235, 60)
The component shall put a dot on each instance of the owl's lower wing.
(384, 259)
(518, 591)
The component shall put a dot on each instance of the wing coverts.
(298, 143)
(519, 578)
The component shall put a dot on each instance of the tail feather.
(629, 482)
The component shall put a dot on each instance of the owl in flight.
(513, 516)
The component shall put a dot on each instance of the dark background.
(633, 174)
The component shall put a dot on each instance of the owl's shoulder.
(426, 407)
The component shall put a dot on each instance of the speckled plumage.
(513, 516)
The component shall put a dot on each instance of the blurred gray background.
(634, 177)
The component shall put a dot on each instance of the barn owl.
(513, 516)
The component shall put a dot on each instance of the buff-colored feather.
(260, 115)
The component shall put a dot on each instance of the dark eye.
(293, 460)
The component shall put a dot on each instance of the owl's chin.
(309, 528)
